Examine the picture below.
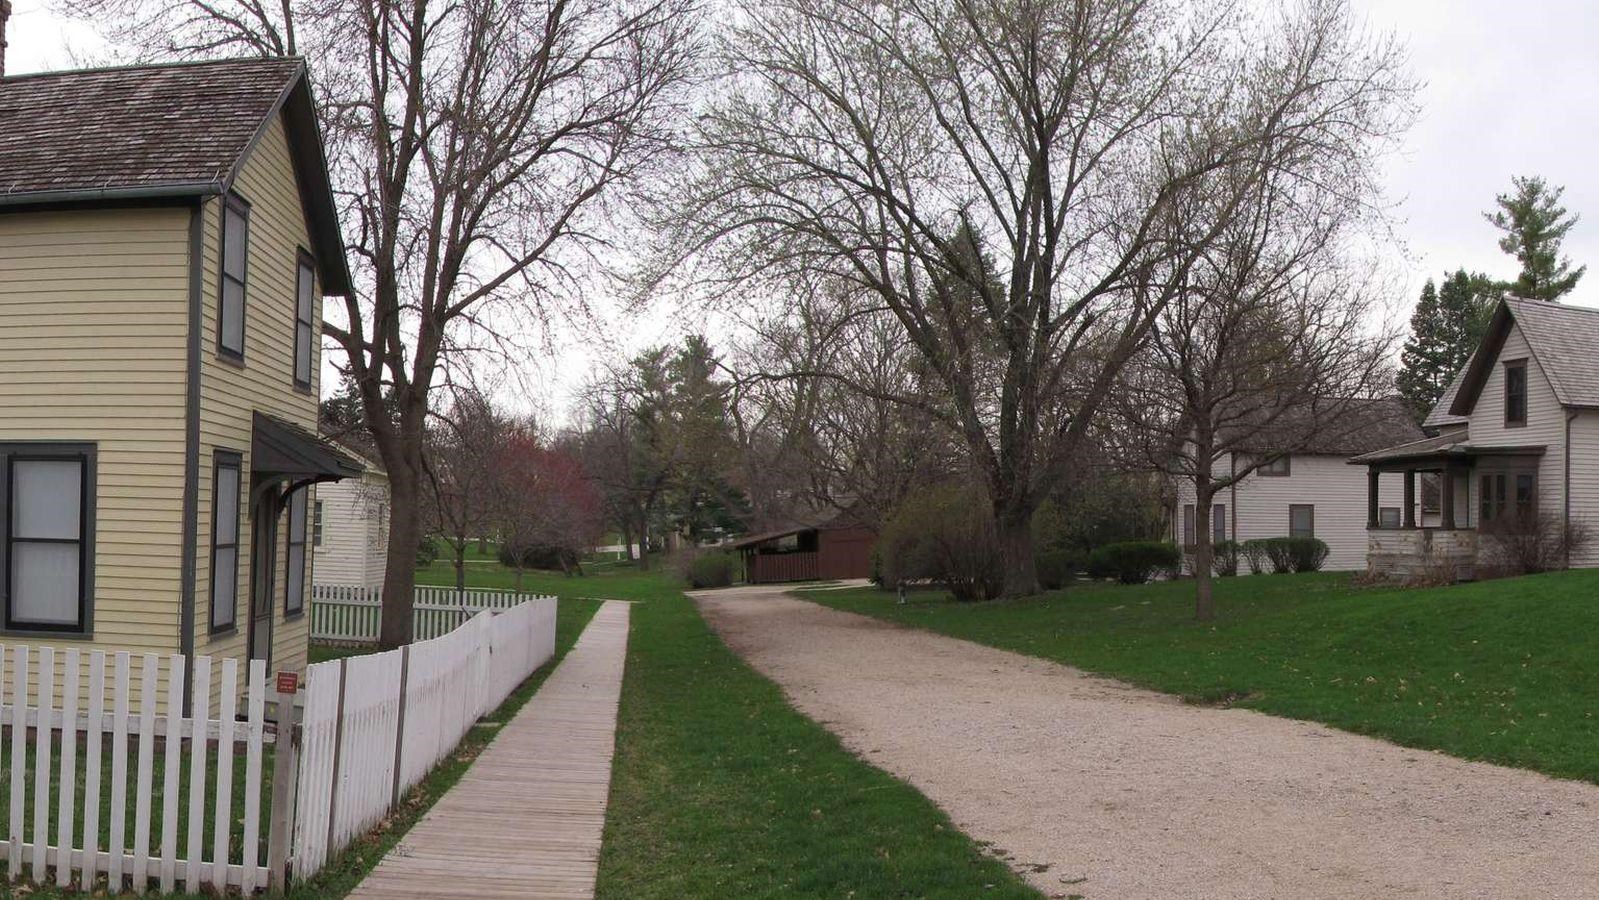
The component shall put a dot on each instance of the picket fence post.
(285, 767)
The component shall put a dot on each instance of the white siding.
(1585, 481)
(1258, 506)
(1546, 421)
(354, 532)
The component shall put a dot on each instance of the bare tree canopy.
(474, 146)
(1067, 140)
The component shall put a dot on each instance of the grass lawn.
(1502, 671)
(721, 789)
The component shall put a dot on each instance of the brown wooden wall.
(845, 552)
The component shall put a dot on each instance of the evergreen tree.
(1446, 327)
(1534, 224)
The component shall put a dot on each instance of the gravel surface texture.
(1090, 787)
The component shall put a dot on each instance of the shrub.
(1224, 558)
(943, 534)
(1306, 554)
(1254, 551)
(712, 570)
(1055, 568)
(1524, 544)
(1134, 562)
(1278, 555)
(427, 552)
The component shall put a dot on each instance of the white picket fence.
(375, 725)
(347, 614)
(99, 717)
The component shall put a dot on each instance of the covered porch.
(1474, 484)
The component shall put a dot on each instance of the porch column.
(1373, 479)
(1410, 498)
(1446, 487)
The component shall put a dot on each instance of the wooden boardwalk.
(525, 821)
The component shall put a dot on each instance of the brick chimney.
(5, 15)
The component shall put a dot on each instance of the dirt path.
(1095, 788)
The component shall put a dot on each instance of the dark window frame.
(87, 455)
(1516, 402)
(1278, 467)
(1218, 523)
(1294, 506)
(241, 206)
(225, 459)
(303, 545)
(304, 262)
(1529, 507)
(317, 522)
(1190, 524)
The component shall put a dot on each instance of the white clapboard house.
(350, 530)
(1516, 434)
(1310, 492)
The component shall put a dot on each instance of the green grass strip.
(721, 789)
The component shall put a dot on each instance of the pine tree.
(1446, 327)
(1534, 224)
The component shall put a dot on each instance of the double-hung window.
(235, 264)
(304, 333)
(1188, 525)
(316, 525)
(1301, 520)
(294, 583)
(1218, 522)
(1516, 392)
(49, 546)
(226, 484)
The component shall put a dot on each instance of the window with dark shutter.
(235, 265)
(304, 332)
(294, 582)
(225, 540)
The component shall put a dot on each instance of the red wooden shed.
(840, 548)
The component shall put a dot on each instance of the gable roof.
(163, 132)
(1354, 427)
(1564, 341)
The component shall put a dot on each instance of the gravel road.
(1090, 787)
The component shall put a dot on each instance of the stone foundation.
(1422, 553)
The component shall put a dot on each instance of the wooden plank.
(223, 820)
(171, 765)
(67, 802)
(119, 772)
(146, 774)
(252, 773)
(201, 712)
(527, 818)
(19, 757)
(91, 773)
(45, 701)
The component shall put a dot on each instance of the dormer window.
(235, 256)
(1516, 392)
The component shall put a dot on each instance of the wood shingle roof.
(162, 132)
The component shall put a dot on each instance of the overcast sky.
(1511, 88)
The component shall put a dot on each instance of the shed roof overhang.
(279, 449)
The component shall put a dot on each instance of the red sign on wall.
(288, 682)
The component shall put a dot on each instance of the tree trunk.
(627, 540)
(519, 581)
(1016, 555)
(399, 570)
(482, 545)
(460, 570)
(644, 541)
(1204, 599)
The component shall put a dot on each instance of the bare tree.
(473, 146)
(1067, 138)
(463, 448)
(1271, 346)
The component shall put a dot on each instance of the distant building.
(835, 547)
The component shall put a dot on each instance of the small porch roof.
(1439, 451)
(282, 449)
